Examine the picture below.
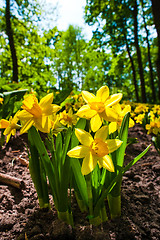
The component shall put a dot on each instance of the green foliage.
(11, 102)
(156, 141)
(116, 28)
(65, 60)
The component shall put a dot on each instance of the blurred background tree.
(124, 52)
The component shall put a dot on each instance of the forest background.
(123, 53)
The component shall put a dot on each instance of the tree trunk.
(139, 58)
(9, 33)
(156, 16)
(133, 70)
(149, 59)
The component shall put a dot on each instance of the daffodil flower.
(37, 114)
(68, 118)
(94, 150)
(10, 126)
(99, 107)
(56, 125)
(113, 126)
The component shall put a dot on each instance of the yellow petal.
(84, 137)
(113, 99)
(113, 126)
(4, 123)
(102, 133)
(96, 122)
(86, 112)
(117, 108)
(126, 110)
(7, 130)
(8, 137)
(43, 124)
(50, 109)
(24, 115)
(13, 132)
(106, 162)
(88, 164)
(44, 121)
(29, 101)
(88, 97)
(102, 94)
(113, 144)
(55, 108)
(79, 152)
(47, 100)
(27, 125)
(109, 115)
(131, 122)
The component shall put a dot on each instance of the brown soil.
(21, 218)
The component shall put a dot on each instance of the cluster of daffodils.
(148, 116)
(33, 113)
(87, 138)
(154, 122)
(99, 109)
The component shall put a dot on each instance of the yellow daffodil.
(94, 150)
(77, 105)
(56, 125)
(1, 100)
(152, 116)
(139, 118)
(67, 106)
(37, 114)
(68, 118)
(113, 126)
(99, 107)
(156, 109)
(153, 126)
(10, 126)
(141, 108)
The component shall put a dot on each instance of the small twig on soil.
(23, 161)
(13, 181)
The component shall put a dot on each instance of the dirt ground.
(21, 218)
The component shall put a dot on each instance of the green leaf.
(67, 139)
(10, 100)
(49, 169)
(59, 98)
(76, 166)
(136, 159)
(38, 174)
(123, 135)
(118, 156)
(115, 180)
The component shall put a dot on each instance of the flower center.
(119, 121)
(99, 148)
(98, 106)
(66, 118)
(30, 104)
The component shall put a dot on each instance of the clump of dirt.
(21, 218)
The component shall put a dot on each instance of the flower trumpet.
(94, 150)
(99, 107)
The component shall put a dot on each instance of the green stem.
(103, 214)
(114, 205)
(81, 203)
(89, 191)
(66, 217)
(114, 200)
(102, 217)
